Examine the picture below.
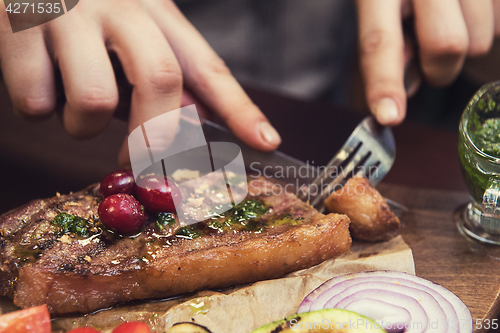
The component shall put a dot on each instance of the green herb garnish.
(67, 223)
(243, 216)
(189, 231)
(164, 219)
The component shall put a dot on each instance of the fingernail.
(386, 111)
(269, 134)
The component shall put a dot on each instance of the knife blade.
(275, 162)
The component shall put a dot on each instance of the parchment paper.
(245, 308)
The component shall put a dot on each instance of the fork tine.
(369, 151)
(359, 158)
(369, 167)
(374, 171)
(342, 156)
(350, 147)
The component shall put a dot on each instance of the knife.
(275, 162)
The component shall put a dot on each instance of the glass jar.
(479, 152)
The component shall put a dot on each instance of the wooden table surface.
(469, 269)
(38, 159)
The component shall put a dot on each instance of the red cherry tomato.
(122, 213)
(132, 327)
(158, 195)
(31, 320)
(121, 181)
(84, 330)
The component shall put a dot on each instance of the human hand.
(446, 32)
(161, 53)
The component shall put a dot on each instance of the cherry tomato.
(122, 213)
(132, 327)
(121, 181)
(31, 320)
(157, 194)
(84, 330)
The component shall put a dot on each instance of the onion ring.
(400, 302)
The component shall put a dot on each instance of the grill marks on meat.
(26, 232)
(81, 275)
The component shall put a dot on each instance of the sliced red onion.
(380, 311)
(417, 313)
(392, 291)
(445, 311)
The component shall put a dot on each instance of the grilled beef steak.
(55, 251)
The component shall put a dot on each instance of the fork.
(369, 152)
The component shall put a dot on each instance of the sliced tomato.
(31, 320)
(132, 327)
(84, 330)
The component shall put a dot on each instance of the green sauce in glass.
(479, 143)
(475, 179)
(487, 137)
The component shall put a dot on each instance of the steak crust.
(80, 275)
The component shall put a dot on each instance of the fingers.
(89, 82)
(496, 16)
(207, 76)
(382, 58)
(479, 18)
(443, 39)
(150, 66)
(446, 30)
(28, 72)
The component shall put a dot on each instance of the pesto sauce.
(245, 216)
(476, 181)
(487, 137)
(62, 224)
(190, 231)
(482, 126)
(164, 219)
(71, 224)
(241, 217)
